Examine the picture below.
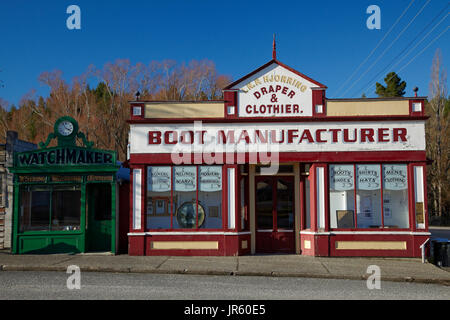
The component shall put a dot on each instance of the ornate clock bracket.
(66, 141)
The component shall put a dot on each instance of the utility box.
(441, 252)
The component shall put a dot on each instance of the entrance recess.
(99, 217)
(274, 214)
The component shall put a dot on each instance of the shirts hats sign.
(368, 177)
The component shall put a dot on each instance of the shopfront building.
(65, 196)
(276, 167)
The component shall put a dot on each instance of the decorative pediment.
(275, 90)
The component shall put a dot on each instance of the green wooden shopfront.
(65, 196)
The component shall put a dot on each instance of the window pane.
(210, 196)
(342, 196)
(35, 209)
(307, 200)
(368, 196)
(159, 182)
(184, 198)
(395, 196)
(103, 207)
(242, 197)
(285, 203)
(66, 205)
(264, 200)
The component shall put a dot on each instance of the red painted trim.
(172, 210)
(225, 197)
(237, 204)
(137, 118)
(326, 197)
(354, 196)
(230, 100)
(277, 119)
(425, 198)
(425, 195)
(230, 86)
(318, 98)
(411, 198)
(332, 157)
(378, 99)
(313, 197)
(381, 194)
(247, 202)
(131, 195)
(302, 199)
(415, 100)
(144, 198)
(196, 196)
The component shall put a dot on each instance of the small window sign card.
(341, 177)
(395, 177)
(210, 178)
(159, 179)
(368, 177)
(185, 179)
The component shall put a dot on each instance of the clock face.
(65, 128)
(186, 215)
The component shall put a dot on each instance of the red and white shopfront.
(277, 167)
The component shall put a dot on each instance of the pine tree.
(395, 87)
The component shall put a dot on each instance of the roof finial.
(274, 50)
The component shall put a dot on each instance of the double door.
(275, 214)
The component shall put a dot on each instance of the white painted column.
(320, 197)
(231, 178)
(419, 195)
(137, 199)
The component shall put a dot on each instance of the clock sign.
(65, 128)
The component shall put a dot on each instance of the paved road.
(99, 286)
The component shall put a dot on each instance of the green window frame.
(54, 209)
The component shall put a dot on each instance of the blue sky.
(326, 40)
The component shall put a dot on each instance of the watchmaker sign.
(275, 92)
(64, 156)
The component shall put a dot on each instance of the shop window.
(159, 182)
(395, 196)
(285, 203)
(176, 194)
(342, 201)
(50, 208)
(66, 205)
(210, 196)
(307, 205)
(184, 198)
(368, 196)
(264, 200)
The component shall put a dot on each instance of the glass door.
(274, 214)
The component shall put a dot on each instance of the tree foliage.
(99, 98)
(395, 87)
(438, 143)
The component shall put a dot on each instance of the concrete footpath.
(392, 269)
